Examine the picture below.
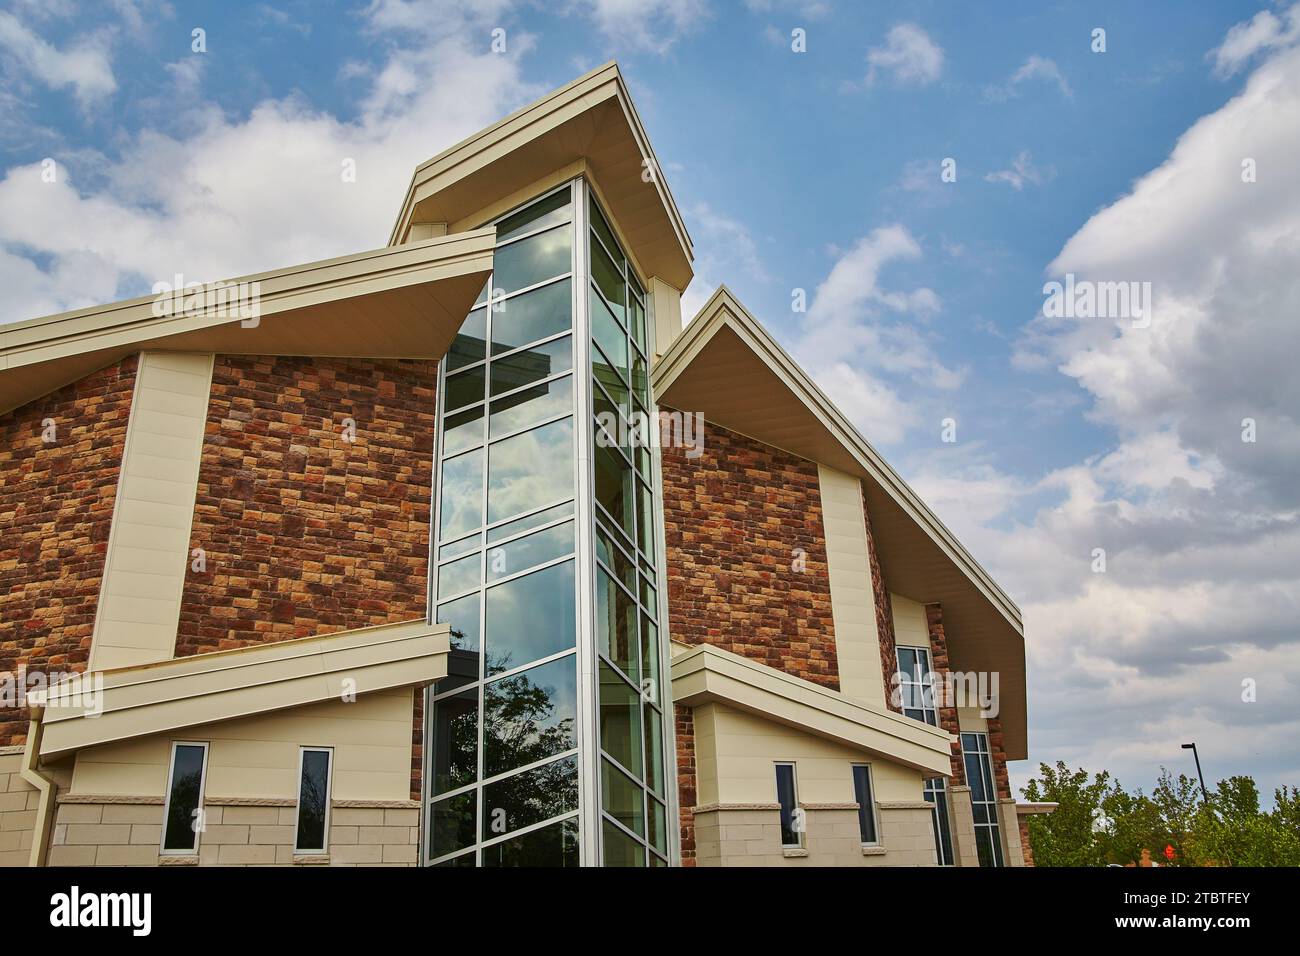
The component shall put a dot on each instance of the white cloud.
(908, 55)
(84, 65)
(651, 25)
(1021, 172)
(1035, 68)
(1265, 31)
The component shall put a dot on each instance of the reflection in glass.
(530, 617)
(535, 520)
(613, 557)
(529, 716)
(531, 365)
(530, 469)
(462, 615)
(620, 719)
(530, 551)
(621, 798)
(462, 430)
(657, 825)
(465, 388)
(451, 824)
(313, 800)
(453, 761)
(619, 848)
(184, 797)
(609, 335)
(601, 227)
(614, 487)
(534, 315)
(551, 846)
(529, 261)
(616, 624)
(531, 405)
(462, 495)
(609, 279)
(530, 797)
(459, 575)
(470, 344)
(654, 750)
(551, 211)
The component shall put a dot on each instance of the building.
(377, 560)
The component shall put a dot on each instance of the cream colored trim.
(249, 802)
(716, 807)
(1029, 809)
(853, 599)
(119, 798)
(185, 692)
(706, 674)
(377, 804)
(421, 293)
(31, 772)
(591, 119)
(904, 805)
(149, 541)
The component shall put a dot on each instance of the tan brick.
(72, 856)
(398, 835)
(257, 815)
(223, 833)
(127, 856)
(13, 801)
(370, 853)
(357, 816)
(401, 818)
(272, 834)
(81, 834)
(79, 813)
(399, 854)
(247, 855)
(150, 833)
(132, 813)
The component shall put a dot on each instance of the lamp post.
(1192, 747)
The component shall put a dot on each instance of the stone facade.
(884, 616)
(947, 712)
(686, 787)
(56, 508)
(729, 835)
(304, 531)
(746, 555)
(128, 832)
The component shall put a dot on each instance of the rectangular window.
(315, 769)
(864, 794)
(916, 684)
(183, 815)
(791, 815)
(983, 797)
(936, 792)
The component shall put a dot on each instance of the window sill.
(873, 850)
(178, 859)
(310, 859)
(793, 852)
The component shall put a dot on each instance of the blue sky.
(818, 171)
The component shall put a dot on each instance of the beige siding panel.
(258, 756)
(857, 644)
(148, 546)
(910, 627)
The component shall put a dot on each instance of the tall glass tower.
(546, 743)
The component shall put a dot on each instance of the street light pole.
(1204, 794)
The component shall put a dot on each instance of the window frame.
(926, 683)
(329, 800)
(871, 792)
(167, 800)
(794, 793)
(984, 755)
(939, 812)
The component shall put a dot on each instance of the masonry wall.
(56, 507)
(746, 555)
(303, 531)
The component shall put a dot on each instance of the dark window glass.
(184, 798)
(866, 803)
(530, 261)
(464, 860)
(785, 795)
(551, 846)
(638, 323)
(528, 470)
(530, 797)
(454, 756)
(530, 618)
(535, 315)
(616, 624)
(529, 716)
(601, 227)
(614, 557)
(654, 749)
(531, 365)
(620, 720)
(936, 792)
(451, 824)
(462, 615)
(465, 388)
(649, 658)
(645, 523)
(618, 848)
(609, 335)
(528, 406)
(621, 798)
(614, 386)
(657, 824)
(313, 800)
(470, 344)
(462, 430)
(551, 211)
(609, 279)
(614, 488)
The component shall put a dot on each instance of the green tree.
(1066, 836)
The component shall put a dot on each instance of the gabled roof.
(397, 302)
(588, 125)
(726, 366)
(704, 673)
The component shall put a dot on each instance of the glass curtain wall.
(552, 604)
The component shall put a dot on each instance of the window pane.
(529, 618)
(531, 365)
(464, 860)
(529, 716)
(654, 749)
(615, 387)
(531, 521)
(470, 344)
(785, 795)
(528, 470)
(555, 845)
(462, 430)
(313, 799)
(453, 760)
(648, 596)
(551, 211)
(645, 523)
(531, 405)
(601, 227)
(975, 777)
(984, 846)
(530, 551)
(529, 261)
(462, 495)
(640, 379)
(462, 615)
(609, 336)
(621, 798)
(619, 849)
(459, 575)
(183, 800)
(638, 323)
(609, 279)
(866, 804)
(613, 557)
(614, 488)
(530, 797)
(616, 624)
(465, 388)
(657, 824)
(535, 315)
(907, 663)
(451, 824)
(620, 720)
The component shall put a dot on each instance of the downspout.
(44, 785)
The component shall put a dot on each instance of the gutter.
(44, 785)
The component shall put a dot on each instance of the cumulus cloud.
(908, 55)
(84, 65)
(1265, 31)
(651, 25)
(1034, 68)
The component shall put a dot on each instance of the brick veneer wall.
(56, 508)
(947, 713)
(687, 794)
(884, 617)
(1025, 848)
(735, 520)
(304, 532)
